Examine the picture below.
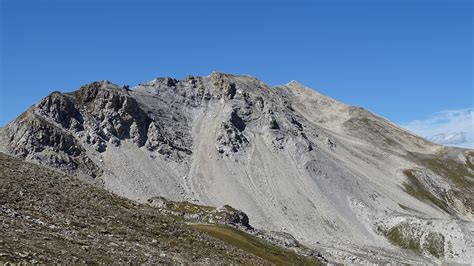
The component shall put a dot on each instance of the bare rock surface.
(335, 177)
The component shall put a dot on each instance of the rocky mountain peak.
(292, 159)
(294, 83)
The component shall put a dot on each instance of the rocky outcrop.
(62, 110)
(112, 114)
(232, 139)
(60, 128)
(224, 215)
(34, 138)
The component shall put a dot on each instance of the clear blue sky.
(404, 60)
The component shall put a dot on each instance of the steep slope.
(49, 217)
(336, 177)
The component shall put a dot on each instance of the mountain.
(338, 178)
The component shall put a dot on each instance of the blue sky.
(408, 61)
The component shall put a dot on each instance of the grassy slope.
(458, 175)
(455, 173)
(255, 246)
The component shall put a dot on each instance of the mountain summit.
(336, 177)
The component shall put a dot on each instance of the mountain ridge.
(293, 159)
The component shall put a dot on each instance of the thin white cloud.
(451, 127)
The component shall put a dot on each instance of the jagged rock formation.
(334, 176)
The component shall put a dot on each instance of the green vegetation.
(415, 188)
(188, 207)
(402, 236)
(446, 167)
(397, 237)
(434, 244)
(470, 157)
(255, 246)
(456, 173)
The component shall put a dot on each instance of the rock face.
(334, 176)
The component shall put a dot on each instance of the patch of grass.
(415, 188)
(434, 244)
(469, 157)
(251, 244)
(397, 237)
(459, 175)
(402, 235)
(446, 167)
(191, 208)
